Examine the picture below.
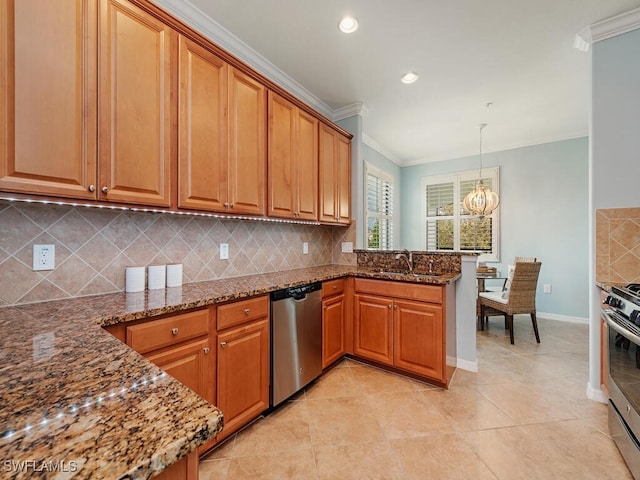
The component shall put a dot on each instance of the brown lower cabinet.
(243, 362)
(333, 321)
(402, 326)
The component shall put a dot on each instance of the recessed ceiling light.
(409, 77)
(348, 24)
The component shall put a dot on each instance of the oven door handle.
(619, 328)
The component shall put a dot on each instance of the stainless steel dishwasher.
(296, 339)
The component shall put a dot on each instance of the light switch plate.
(305, 248)
(44, 257)
(347, 247)
(224, 251)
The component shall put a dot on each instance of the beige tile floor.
(524, 415)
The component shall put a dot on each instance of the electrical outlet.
(224, 251)
(44, 257)
(547, 288)
(347, 247)
(305, 248)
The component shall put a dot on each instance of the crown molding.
(371, 143)
(607, 28)
(206, 26)
(350, 111)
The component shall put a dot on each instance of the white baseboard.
(467, 365)
(596, 394)
(563, 318)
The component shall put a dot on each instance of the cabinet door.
(48, 97)
(335, 176)
(332, 329)
(190, 364)
(202, 160)
(247, 144)
(282, 157)
(243, 374)
(307, 163)
(373, 323)
(418, 339)
(328, 175)
(343, 167)
(135, 105)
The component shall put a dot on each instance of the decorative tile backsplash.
(93, 246)
(618, 245)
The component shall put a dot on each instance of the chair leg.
(535, 326)
(481, 318)
(509, 320)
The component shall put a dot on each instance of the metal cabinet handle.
(206, 350)
(174, 331)
(105, 189)
(226, 204)
(389, 305)
(223, 344)
(92, 188)
(231, 204)
(246, 311)
(395, 307)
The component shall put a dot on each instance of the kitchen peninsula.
(76, 398)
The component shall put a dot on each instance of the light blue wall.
(373, 157)
(543, 213)
(616, 121)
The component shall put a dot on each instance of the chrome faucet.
(408, 257)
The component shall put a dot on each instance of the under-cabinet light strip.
(155, 210)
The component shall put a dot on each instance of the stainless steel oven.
(622, 312)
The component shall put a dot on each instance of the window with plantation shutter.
(379, 210)
(448, 226)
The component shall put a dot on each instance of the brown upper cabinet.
(48, 58)
(293, 161)
(117, 101)
(203, 129)
(247, 144)
(335, 176)
(222, 156)
(135, 137)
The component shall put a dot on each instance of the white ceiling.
(517, 54)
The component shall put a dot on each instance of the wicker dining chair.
(491, 312)
(521, 297)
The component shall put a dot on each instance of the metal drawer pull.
(246, 311)
(105, 189)
(174, 331)
(206, 350)
(92, 188)
(223, 344)
(335, 286)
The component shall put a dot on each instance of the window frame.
(385, 177)
(493, 174)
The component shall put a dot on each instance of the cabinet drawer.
(410, 291)
(243, 311)
(155, 334)
(333, 287)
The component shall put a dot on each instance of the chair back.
(524, 259)
(522, 295)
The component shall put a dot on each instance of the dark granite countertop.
(75, 398)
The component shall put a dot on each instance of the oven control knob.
(635, 317)
(613, 301)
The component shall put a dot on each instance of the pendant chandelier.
(481, 200)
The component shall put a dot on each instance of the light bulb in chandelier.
(481, 200)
